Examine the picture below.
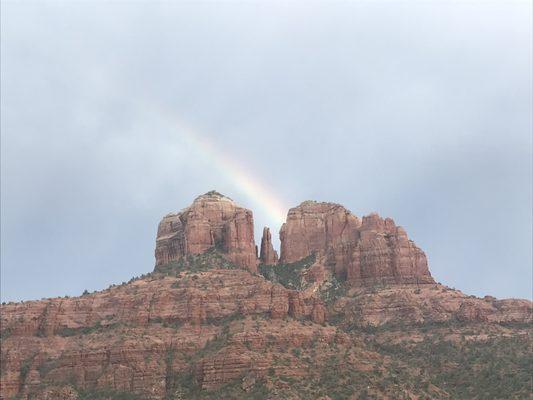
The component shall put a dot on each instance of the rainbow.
(252, 187)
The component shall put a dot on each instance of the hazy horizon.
(115, 114)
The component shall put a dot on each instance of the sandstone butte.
(345, 312)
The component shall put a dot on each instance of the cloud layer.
(420, 111)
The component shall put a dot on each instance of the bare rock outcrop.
(210, 319)
(313, 227)
(365, 252)
(121, 337)
(212, 221)
(434, 303)
(267, 255)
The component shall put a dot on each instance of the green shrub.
(289, 275)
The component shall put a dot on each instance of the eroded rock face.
(365, 252)
(268, 255)
(206, 322)
(230, 323)
(433, 303)
(212, 220)
(313, 227)
(123, 337)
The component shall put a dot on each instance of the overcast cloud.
(420, 111)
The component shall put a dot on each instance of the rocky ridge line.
(205, 318)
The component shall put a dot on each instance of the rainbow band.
(249, 185)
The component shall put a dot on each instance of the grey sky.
(420, 111)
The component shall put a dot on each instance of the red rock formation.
(384, 254)
(204, 320)
(212, 220)
(364, 253)
(118, 337)
(313, 227)
(247, 351)
(133, 337)
(427, 303)
(268, 255)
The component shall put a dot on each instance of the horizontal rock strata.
(362, 252)
(212, 221)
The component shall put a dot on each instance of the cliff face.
(337, 315)
(313, 227)
(212, 221)
(161, 334)
(368, 252)
(268, 255)
(122, 337)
